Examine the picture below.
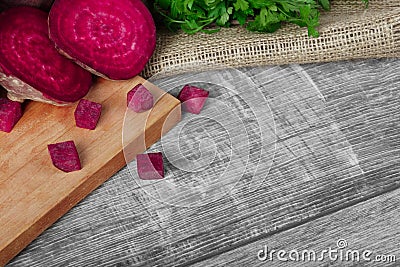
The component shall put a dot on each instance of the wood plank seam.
(287, 227)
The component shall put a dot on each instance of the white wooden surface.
(337, 143)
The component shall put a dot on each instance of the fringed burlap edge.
(347, 32)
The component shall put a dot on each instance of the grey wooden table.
(291, 159)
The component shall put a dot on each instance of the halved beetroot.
(150, 166)
(30, 66)
(140, 99)
(87, 114)
(111, 38)
(193, 98)
(10, 113)
(65, 156)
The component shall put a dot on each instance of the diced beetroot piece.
(193, 98)
(140, 99)
(65, 156)
(150, 166)
(10, 113)
(87, 114)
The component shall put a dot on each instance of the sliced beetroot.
(150, 166)
(193, 98)
(30, 66)
(10, 113)
(111, 38)
(87, 114)
(65, 156)
(139, 99)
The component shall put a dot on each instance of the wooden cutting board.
(33, 193)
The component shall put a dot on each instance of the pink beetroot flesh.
(150, 166)
(193, 98)
(27, 54)
(10, 113)
(87, 114)
(65, 156)
(113, 38)
(139, 99)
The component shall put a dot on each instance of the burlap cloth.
(348, 31)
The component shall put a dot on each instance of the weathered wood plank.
(337, 144)
(33, 193)
(373, 225)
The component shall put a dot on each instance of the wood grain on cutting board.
(33, 193)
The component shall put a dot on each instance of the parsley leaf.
(256, 15)
(241, 5)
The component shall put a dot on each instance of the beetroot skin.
(65, 156)
(193, 98)
(111, 38)
(30, 65)
(150, 166)
(139, 99)
(87, 114)
(10, 113)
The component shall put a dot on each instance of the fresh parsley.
(256, 15)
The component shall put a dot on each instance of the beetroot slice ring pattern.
(111, 38)
(30, 66)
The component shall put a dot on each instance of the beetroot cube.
(10, 113)
(65, 156)
(87, 114)
(140, 99)
(150, 166)
(193, 98)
